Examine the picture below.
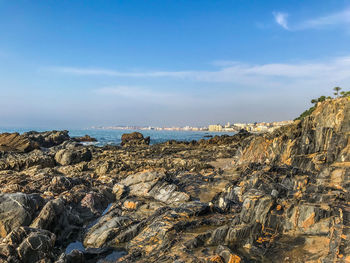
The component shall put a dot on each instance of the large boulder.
(17, 210)
(59, 219)
(107, 228)
(134, 138)
(151, 184)
(73, 156)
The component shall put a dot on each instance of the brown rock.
(134, 138)
(15, 142)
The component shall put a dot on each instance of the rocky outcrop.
(18, 162)
(14, 142)
(47, 139)
(274, 197)
(73, 156)
(28, 245)
(85, 138)
(134, 138)
(316, 142)
(28, 141)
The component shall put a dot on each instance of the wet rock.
(95, 202)
(75, 256)
(134, 138)
(17, 210)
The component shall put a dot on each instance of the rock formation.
(85, 138)
(135, 138)
(274, 197)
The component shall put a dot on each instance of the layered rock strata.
(274, 197)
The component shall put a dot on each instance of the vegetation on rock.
(337, 93)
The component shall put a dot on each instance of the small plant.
(337, 89)
(337, 92)
(345, 94)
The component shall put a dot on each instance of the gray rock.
(67, 157)
(17, 210)
(108, 227)
(28, 245)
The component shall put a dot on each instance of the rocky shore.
(274, 197)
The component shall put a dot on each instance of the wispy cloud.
(333, 19)
(114, 73)
(146, 95)
(281, 19)
(132, 92)
(272, 74)
(339, 18)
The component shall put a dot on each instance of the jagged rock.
(58, 219)
(96, 202)
(16, 143)
(28, 245)
(227, 255)
(310, 144)
(75, 256)
(149, 184)
(134, 138)
(49, 216)
(62, 183)
(28, 141)
(107, 228)
(273, 197)
(119, 190)
(67, 156)
(168, 193)
(18, 162)
(49, 138)
(141, 183)
(17, 210)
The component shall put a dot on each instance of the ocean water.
(113, 137)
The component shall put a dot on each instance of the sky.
(76, 64)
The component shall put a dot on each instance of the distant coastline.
(255, 127)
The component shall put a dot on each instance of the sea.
(113, 137)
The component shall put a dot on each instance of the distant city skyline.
(77, 64)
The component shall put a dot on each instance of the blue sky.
(70, 64)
